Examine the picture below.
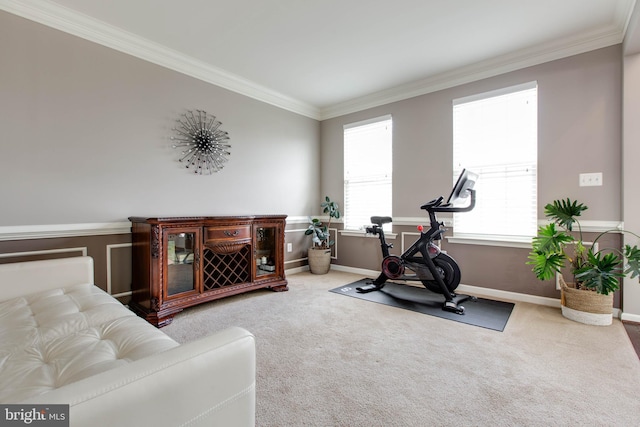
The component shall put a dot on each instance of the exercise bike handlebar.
(436, 205)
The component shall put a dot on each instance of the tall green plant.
(598, 270)
(319, 232)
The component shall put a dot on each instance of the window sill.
(362, 233)
(489, 240)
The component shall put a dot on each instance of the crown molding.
(61, 18)
(631, 43)
(55, 16)
(523, 58)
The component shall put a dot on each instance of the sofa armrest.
(208, 382)
(23, 278)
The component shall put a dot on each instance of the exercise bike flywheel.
(393, 267)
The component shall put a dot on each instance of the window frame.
(488, 238)
(389, 172)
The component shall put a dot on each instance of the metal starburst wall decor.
(205, 146)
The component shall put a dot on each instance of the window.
(367, 171)
(495, 134)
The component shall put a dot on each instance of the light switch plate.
(591, 179)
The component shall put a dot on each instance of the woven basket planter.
(319, 260)
(585, 306)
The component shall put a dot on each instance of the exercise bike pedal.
(368, 288)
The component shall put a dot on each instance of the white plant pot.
(586, 306)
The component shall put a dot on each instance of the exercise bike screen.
(464, 184)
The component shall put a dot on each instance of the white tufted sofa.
(64, 340)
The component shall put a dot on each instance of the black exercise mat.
(484, 313)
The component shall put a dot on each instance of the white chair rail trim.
(25, 232)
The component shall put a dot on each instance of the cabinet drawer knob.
(230, 234)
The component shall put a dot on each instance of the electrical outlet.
(289, 247)
(591, 179)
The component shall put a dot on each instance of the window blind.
(496, 136)
(367, 171)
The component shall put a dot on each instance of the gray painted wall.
(631, 145)
(85, 138)
(579, 131)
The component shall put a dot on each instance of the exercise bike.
(437, 271)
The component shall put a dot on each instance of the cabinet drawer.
(226, 233)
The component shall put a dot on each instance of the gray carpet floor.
(327, 360)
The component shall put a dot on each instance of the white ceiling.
(324, 58)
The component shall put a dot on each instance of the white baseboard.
(479, 291)
(630, 317)
(508, 295)
(295, 270)
(475, 290)
(363, 271)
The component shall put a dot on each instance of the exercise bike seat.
(380, 220)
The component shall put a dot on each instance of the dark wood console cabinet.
(181, 262)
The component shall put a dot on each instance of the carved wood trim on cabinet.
(179, 262)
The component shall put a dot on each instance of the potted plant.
(596, 271)
(320, 252)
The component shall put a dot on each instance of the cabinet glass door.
(266, 253)
(181, 262)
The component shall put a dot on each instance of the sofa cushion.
(57, 337)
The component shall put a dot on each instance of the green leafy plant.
(599, 270)
(319, 232)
